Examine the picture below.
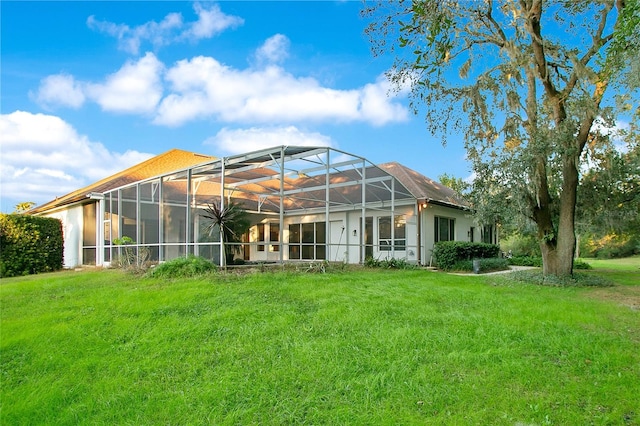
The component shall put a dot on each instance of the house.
(304, 203)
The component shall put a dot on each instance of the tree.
(24, 207)
(457, 184)
(524, 81)
(231, 222)
(609, 194)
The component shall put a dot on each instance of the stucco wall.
(71, 219)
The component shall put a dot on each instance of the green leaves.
(29, 244)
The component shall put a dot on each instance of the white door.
(338, 241)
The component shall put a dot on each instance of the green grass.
(624, 271)
(358, 347)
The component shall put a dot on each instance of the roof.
(172, 160)
(424, 188)
(256, 175)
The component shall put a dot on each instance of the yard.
(358, 347)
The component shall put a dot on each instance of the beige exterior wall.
(72, 223)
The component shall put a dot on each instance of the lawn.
(358, 347)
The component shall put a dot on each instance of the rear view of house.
(303, 203)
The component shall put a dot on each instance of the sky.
(90, 88)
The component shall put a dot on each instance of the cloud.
(204, 88)
(236, 141)
(211, 21)
(274, 50)
(134, 88)
(43, 157)
(60, 89)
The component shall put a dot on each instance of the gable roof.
(424, 188)
(172, 160)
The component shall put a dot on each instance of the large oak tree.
(525, 81)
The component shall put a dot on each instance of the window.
(270, 229)
(307, 241)
(260, 238)
(444, 229)
(274, 236)
(399, 233)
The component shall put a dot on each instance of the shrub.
(526, 261)
(30, 244)
(447, 253)
(184, 267)
(129, 257)
(520, 245)
(584, 279)
(392, 263)
(581, 264)
(610, 246)
(486, 265)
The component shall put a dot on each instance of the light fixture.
(355, 233)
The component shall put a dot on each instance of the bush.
(392, 263)
(183, 267)
(581, 264)
(486, 265)
(29, 244)
(526, 261)
(584, 279)
(520, 245)
(447, 253)
(610, 246)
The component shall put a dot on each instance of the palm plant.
(231, 221)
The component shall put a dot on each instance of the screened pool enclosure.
(302, 204)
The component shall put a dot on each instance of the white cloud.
(274, 50)
(60, 89)
(236, 141)
(43, 157)
(203, 87)
(211, 21)
(134, 88)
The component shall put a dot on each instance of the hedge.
(447, 253)
(29, 244)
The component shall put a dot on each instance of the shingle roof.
(172, 160)
(422, 187)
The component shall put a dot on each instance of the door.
(338, 241)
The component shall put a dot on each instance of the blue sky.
(90, 88)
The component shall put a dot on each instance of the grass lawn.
(360, 347)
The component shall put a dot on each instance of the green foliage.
(525, 261)
(520, 245)
(231, 221)
(529, 113)
(574, 280)
(391, 263)
(29, 245)
(24, 207)
(183, 267)
(581, 264)
(457, 184)
(610, 246)
(485, 265)
(447, 253)
(133, 259)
